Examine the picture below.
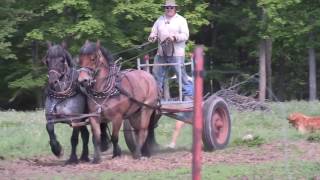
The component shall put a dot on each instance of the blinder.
(54, 69)
(93, 72)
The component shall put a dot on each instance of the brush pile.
(240, 102)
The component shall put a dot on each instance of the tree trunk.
(269, 68)
(312, 72)
(262, 70)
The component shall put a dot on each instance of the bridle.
(65, 67)
(110, 79)
(109, 90)
(70, 90)
(94, 72)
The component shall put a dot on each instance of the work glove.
(152, 39)
(173, 38)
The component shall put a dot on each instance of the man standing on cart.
(171, 31)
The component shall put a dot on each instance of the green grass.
(23, 134)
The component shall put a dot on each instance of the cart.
(216, 116)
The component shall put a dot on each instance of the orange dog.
(304, 123)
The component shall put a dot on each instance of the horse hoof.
(84, 159)
(96, 161)
(146, 154)
(136, 156)
(116, 155)
(117, 152)
(56, 149)
(72, 161)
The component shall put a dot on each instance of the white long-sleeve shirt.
(175, 26)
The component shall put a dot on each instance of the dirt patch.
(164, 160)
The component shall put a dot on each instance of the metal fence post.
(198, 117)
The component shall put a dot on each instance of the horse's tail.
(151, 138)
(154, 120)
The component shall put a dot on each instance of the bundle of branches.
(240, 102)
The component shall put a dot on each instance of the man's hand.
(152, 39)
(173, 38)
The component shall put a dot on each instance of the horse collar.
(110, 89)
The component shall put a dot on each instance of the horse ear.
(49, 44)
(98, 44)
(64, 44)
(87, 42)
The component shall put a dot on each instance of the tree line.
(276, 39)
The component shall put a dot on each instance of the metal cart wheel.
(216, 124)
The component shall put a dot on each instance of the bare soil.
(164, 160)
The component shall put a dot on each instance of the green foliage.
(292, 20)
(7, 23)
(131, 10)
(198, 16)
(28, 82)
(229, 29)
(35, 34)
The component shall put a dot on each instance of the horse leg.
(96, 139)
(116, 124)
(85, 140)
(74, 142)
(104, 137)
(54, 143)
(151, 139)
(142, 149)
(142, 134)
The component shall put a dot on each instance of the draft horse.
(116, 95)
(63, 97)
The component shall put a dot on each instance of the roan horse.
(63, 97)
(115, 95)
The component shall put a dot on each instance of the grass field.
(23, 135)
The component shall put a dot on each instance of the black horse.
(63, 97)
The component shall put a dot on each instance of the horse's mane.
(91, 48)
(58, 51)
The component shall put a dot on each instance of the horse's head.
(58, 61)
(94, 61)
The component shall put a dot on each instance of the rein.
(132, 48)
(167, 47)
(156, 107)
